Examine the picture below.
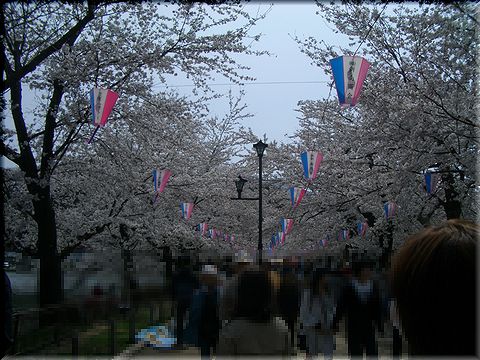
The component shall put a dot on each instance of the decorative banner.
(431, 181)
(273, 242)
(296, 195)
(349, 73)
(228, 238)
(281, 236)
(311, 162)
(325, 241)
(270, 250)
(212, 233)
(160, 179)
(187, 209)
(362, 228)
(102, 102)
(276, 240)
(344, 235)
(287, 225)
(203, 228)
(390, 209)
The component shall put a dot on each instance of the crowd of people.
(426, 298)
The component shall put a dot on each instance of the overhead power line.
(248, 83)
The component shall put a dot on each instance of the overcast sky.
(273, 105)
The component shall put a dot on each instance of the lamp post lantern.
(239, 185)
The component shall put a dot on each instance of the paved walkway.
(341, 352)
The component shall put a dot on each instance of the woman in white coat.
(316, 316)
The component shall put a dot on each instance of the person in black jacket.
(288, 300)
(184, 284)
(7, 335)
(209, 320)
(360, 304)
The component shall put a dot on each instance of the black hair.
(255, 296)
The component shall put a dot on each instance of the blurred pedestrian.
(434, 282)
(254, 330)
(7, 333)
(316, 316)
(209, 317)
(204, 323)
(288, 300)
(229, 291)
(396, 335)
(183, 285)
(360, 304)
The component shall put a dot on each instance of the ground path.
(341, 352)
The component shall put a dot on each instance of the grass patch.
(36, 340)
(95, 344)
(94, 339)
(24, 301)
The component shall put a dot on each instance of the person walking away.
(228, 298)
(208, 324)
(317, 310)
(7, 334)
(360, 304)
(184, 283)
(254, 330)
(396, 336)
(288, 300)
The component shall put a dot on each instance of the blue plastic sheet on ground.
(156, 336)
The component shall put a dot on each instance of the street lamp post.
(260, 148)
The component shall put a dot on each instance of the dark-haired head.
(318, 281)
(362, 269)
(255, 296)
(433, 279)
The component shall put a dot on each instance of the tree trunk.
(386, 250)
(126, 278)
(452, 206)
(51, 291)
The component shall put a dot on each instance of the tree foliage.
(416, 112)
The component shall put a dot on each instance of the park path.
(341, 352)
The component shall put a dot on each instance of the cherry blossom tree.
(62, 50)
(416, 112)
